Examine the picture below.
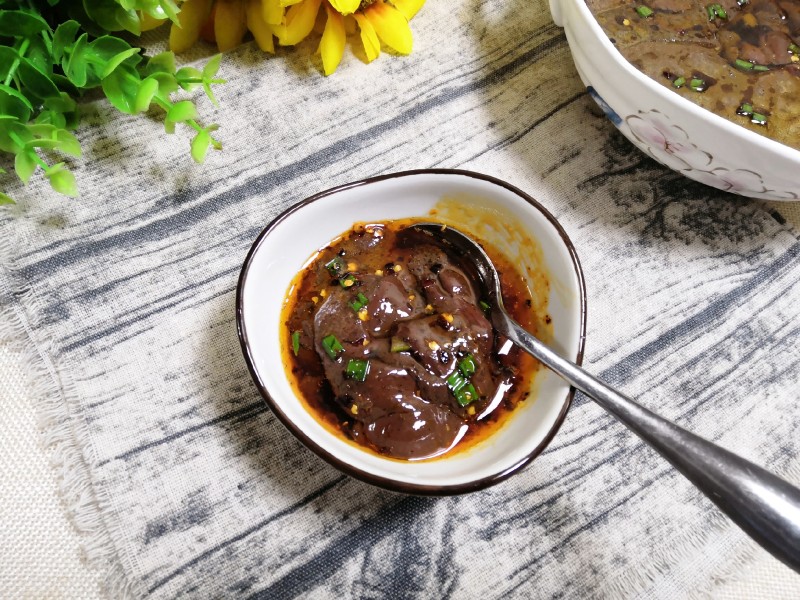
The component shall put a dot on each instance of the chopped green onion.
(716, 10)
(336, 266)
(399, 345)
(466, 394)
(744, 64)
(360, 302)
(760, 68)
(348, 280)
(697, 84)
(357, 369)
(794, 49)
(332, 346)
(747, 110)
(295, 342)
(456, 381)
(461, 388)
(644, 11)
(485, 307)
(467, 366)
(678, 82)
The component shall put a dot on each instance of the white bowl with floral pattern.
(671, 129)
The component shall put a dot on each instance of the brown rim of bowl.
(385, 482)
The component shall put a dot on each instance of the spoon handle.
(765, 506)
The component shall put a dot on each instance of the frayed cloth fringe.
(63, 435)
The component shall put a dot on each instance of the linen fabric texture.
(185, 485)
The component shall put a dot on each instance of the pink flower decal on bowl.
(667, 143)
(670, 145)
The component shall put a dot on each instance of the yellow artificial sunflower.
(226, 22)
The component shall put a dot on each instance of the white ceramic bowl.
(291, 240)
(670, 128)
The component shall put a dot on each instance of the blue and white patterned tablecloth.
(184, 483)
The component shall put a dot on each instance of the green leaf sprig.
(53, 51)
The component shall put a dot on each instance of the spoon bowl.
(765, 506)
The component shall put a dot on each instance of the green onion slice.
(744, 64)
(678, 82)
(485, 307)
(295, 342)
(332, 346)
(761, 68)
(716, 11)
(360, 302)
(644, 11)
(467, 366)
(456, 381)
(348, 280)
(794, 49)
(697, 84)
(461, 388)
(745, 110)
(357, 369)
(466, 394)
(399, 345)
(758, 119)
(336, 266)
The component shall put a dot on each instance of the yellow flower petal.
(345, 7)
(331, 46)
(408, 8)
(272, 11)
(300, 20)
(259, 27)
(230, 24)
(372, 45)
(191, 18)
(391, 26)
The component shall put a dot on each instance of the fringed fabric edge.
(64, 435)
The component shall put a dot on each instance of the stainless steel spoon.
(766, 507)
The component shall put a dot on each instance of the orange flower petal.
(331, 46)
(372, 45)
(391, 26)
(299, 21)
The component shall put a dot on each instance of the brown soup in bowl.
(389, 345)
(737, 58)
